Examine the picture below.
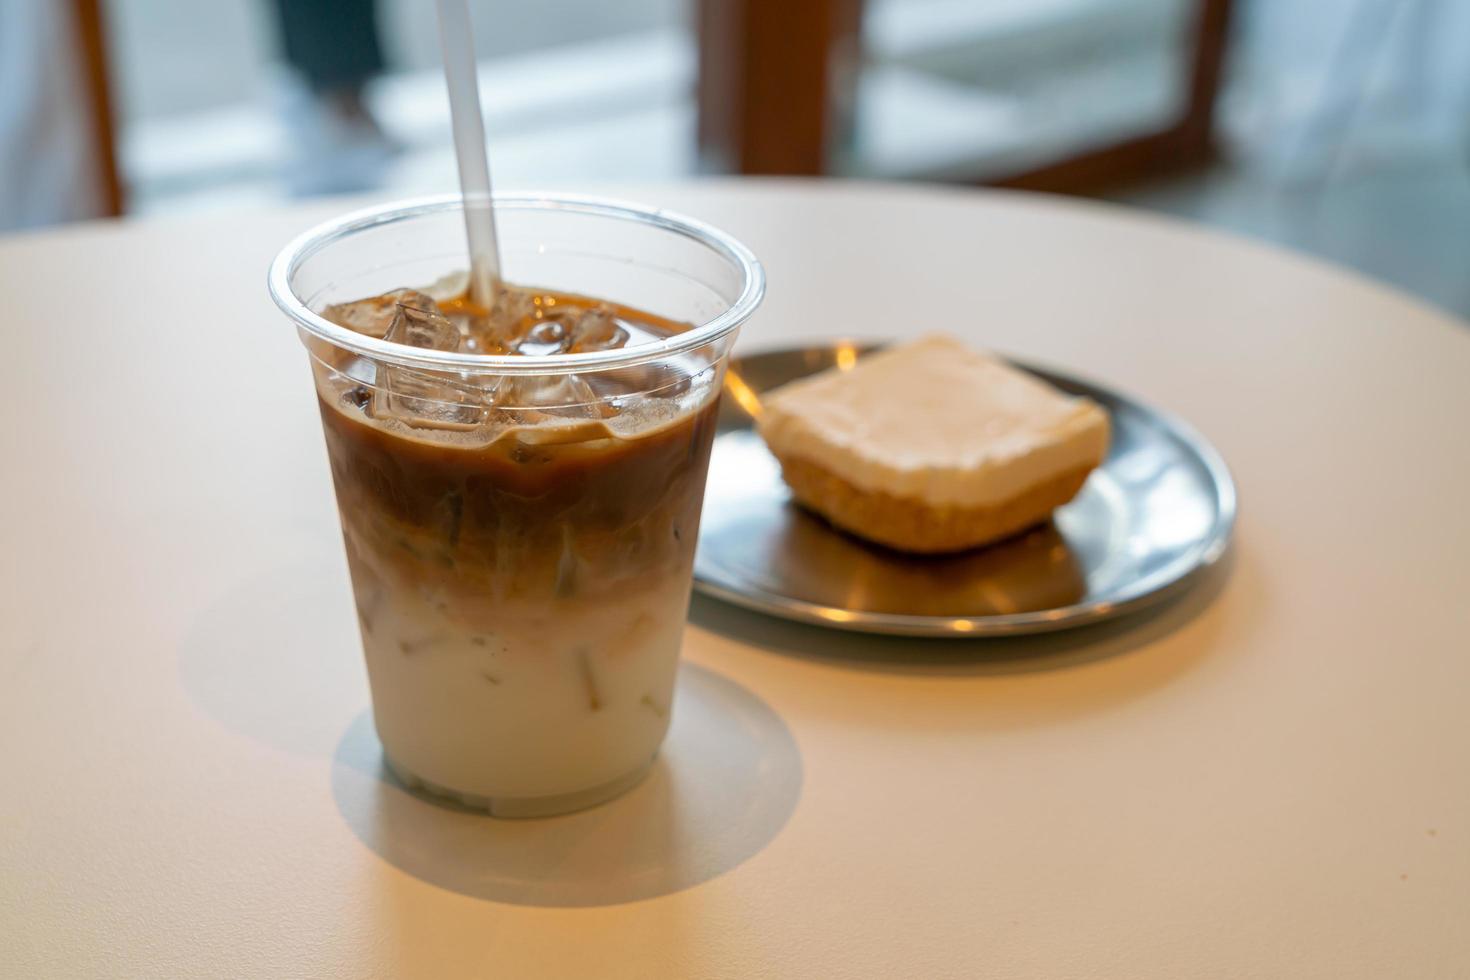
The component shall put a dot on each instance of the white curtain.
(1325, 88)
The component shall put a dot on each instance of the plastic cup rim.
(323, 235)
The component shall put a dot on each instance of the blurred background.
(1337, 127)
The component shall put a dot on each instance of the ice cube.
(428, 400)
(594, 330)
(514, 304)
(548, 401)
(374, 316)
(546, 337)
(567, 564)
(422, 398)
(499, 330)
(450, 286)
(545, 393)
(514, 315)
(423, 326)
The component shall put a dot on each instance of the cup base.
(520, 807)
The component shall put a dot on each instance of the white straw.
(469, 146)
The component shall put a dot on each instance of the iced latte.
(520, 538)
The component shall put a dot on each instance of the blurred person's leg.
(334, 50)
(47, 159)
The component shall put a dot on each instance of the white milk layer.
(559, 697)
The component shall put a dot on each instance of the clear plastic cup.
(520, 530)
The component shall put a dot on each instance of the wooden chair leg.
(769, 71)
(1188, 142)
(771, 92)
(91, 36)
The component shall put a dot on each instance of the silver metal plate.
(1158, 512)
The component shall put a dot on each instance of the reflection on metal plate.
(1157, 512)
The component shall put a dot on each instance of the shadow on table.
(277, 657)
(727, 781)
(995, 655)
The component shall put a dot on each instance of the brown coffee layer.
(515, 519)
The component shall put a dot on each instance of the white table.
(1268, 778)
